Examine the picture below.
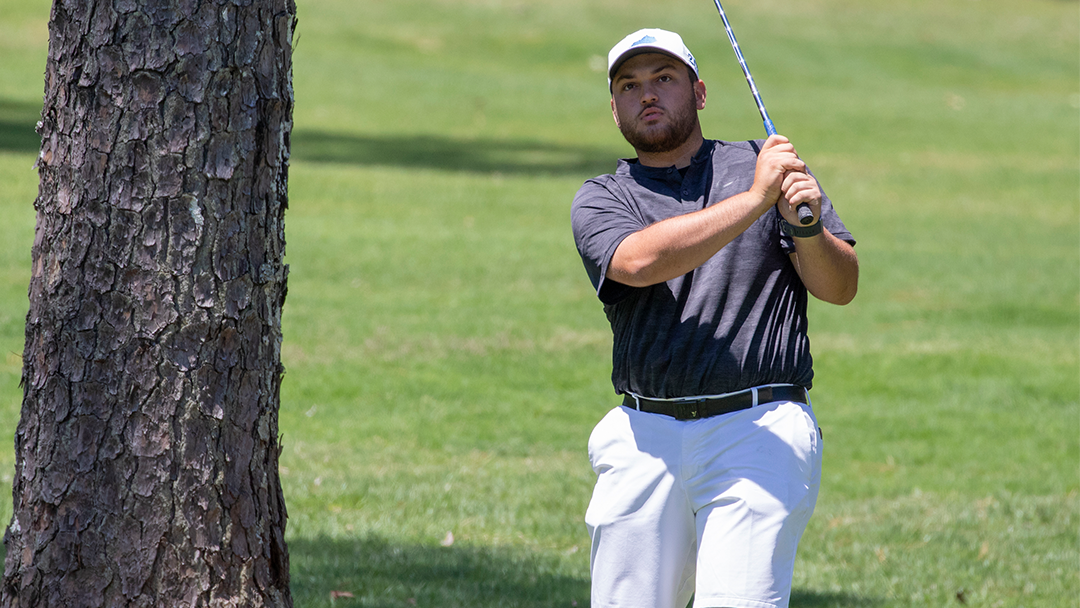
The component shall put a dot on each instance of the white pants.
(711, 509)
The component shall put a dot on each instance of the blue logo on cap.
(646, 40)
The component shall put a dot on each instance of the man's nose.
(648, 94)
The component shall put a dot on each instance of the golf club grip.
(806, 216)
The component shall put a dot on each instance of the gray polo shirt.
(736, 321)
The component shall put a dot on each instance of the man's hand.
(775, 162)
(798, 188)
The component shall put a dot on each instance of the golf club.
(806, 216)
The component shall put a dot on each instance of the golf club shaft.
(806, 216)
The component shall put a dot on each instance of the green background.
(447, 359)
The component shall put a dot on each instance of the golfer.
(709, 470)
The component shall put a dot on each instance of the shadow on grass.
(379, 574)
(372, 573)
(18, 119)
(439, 152)
(816, 599)
(17, 122)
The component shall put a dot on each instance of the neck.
(679, 157)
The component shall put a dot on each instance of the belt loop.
(637, 401)
(754, 391)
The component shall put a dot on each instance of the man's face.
(655, 102)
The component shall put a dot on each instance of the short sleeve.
(601, 219)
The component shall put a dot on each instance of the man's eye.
(664, 78)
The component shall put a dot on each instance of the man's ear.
(615, 113)
(700, 94)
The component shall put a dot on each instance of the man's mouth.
(651, 113)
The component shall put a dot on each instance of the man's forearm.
(828, 267)
(675, 246)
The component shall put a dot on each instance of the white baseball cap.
(649, 40)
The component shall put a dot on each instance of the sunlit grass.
(446, 357)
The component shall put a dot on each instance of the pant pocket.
(604, 435)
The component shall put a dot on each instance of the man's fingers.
(805, 195)
(783, 157)
(797, 182)
(779, 143)
(778, 146)
(775, 140)
(791, 178)
(800, 188)
(777, 163)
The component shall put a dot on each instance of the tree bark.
(147, 451)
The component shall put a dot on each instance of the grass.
(447, 359)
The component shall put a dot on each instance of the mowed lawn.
(446, 356)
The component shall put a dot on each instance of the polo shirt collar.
(631, 166)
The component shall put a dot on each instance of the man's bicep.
(621, 267)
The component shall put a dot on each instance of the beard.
(664, 138)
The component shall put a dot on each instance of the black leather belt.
(693, 409)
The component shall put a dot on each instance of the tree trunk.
(147, 451)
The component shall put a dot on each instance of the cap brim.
(641, 50)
